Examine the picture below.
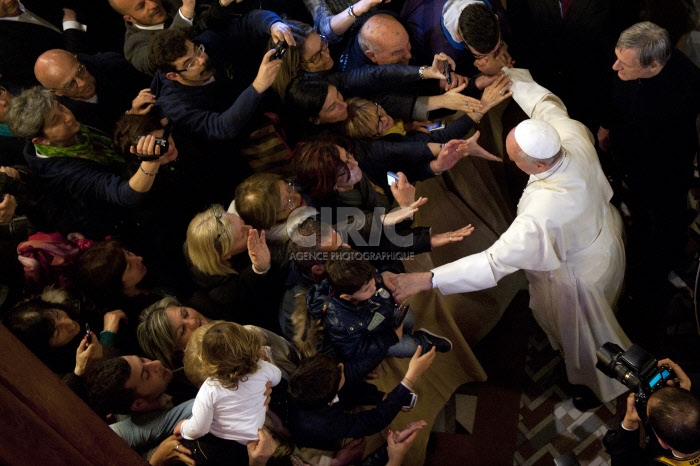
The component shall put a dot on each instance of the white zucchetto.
(538, 139)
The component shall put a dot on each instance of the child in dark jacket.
(319, 396)
(358, 316)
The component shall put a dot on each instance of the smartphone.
(87, 332)
(391, 178)
(400, 313)
(436, 126)
(448, 73)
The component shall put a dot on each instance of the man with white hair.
(566, 237)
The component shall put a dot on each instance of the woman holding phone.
(53, 328)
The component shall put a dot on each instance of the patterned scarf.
(89, 144)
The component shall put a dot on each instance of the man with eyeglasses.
(98, 89)
(144, 18)
(650, 136)
(472, 25)
(212, 102)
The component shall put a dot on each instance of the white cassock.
(567, 239)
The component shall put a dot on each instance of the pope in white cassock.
(566, 237)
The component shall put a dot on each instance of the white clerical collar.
(156, 27)
(553, 169)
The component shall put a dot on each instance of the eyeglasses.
(198, 52)
(220, 227)
(495, 52)
(3, 90)
(316, 57)
(73, 83)
(379, 121)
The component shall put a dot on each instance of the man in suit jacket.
(98, 89)
(24, 36)
(143, 19)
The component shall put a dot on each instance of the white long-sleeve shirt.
(231, 414)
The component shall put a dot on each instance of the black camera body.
(160, 142)
(16, 230)
(636, 369)
(9, 185)
(280, 50)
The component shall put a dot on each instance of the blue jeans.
(406, 347)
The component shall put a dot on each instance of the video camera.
(636, 369)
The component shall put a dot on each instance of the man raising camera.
(674, 419)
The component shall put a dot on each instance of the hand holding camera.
(149, 148)
(267, 72)
(641, 373)
(280, 50)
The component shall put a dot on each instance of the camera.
(636, 369)
(8, 185)
(160, 142)
(18, 229)
(280, 50)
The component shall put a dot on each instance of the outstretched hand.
(398, 443)
(442, 239)
(408, 284)
(496, 92)
(258, 251)
(400, 214)
(471, 147)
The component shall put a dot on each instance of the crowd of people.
(214, 205)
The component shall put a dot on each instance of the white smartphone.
(391, 178)
(436, 126)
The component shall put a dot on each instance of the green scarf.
(89, 144)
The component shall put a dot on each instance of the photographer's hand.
(9, 202)
(682, 376)
(7, 208)
(403, 191)
(631, 420)
(87, 355)
(267, 72)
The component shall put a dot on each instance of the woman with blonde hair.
(167, 327)
(232, 284)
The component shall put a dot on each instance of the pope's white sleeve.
(525, 245)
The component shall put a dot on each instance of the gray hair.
(155, 334)
(652, 43)
(549, 162)
(28, 112)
